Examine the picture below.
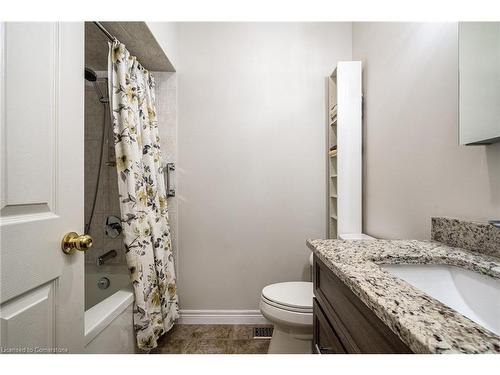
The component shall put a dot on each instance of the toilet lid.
(298, 294)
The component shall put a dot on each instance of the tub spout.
(106, 256)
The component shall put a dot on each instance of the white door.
(41, 151)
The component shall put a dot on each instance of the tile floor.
(211, 339)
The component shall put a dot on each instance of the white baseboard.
(221, 317)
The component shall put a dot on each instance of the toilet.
(288, 306)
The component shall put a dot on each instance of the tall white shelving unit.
(344, 154)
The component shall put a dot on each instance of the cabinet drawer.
(358, 328)
(325, 340)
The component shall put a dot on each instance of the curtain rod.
(105, 32)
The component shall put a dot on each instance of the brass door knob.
(72, 242)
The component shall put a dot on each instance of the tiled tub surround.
(470, 235)
(108, 316)
(166, 107)
(107, 198)
(423, 323)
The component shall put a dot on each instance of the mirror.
(479, 82)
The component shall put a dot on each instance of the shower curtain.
(143, 199)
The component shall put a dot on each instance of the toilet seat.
(296, 296)
(287, 308)
(278, 315)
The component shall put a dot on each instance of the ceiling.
(135, 35)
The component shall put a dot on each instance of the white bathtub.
(118, 276)
(108, 323)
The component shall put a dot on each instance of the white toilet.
(289, 307)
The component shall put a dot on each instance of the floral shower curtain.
(143, 199)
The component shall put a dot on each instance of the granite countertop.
(423, 323)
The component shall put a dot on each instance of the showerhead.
(90, 75)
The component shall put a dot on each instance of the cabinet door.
(356, 325)
(325, 340)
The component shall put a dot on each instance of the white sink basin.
(474, 295)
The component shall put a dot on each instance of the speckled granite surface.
(423, 323)
(470, 235)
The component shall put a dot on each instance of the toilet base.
(294, 341)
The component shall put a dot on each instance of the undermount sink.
(474, 295)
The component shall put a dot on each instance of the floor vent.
(262, 332)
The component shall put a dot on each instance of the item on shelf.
(332, 153)
(333, 114)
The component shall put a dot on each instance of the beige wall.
(252, 151)
(414, 167)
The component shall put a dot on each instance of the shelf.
(344, 97)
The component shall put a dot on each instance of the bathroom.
(314, 188)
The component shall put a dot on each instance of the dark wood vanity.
(343, 324)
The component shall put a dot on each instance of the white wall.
(414, 167)
(252, 177)
(165, 34)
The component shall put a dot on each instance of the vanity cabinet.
(343, 323)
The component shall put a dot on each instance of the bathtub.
(117, 275)
(108, 323)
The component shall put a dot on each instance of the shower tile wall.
(166, 107)
(107, 199)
